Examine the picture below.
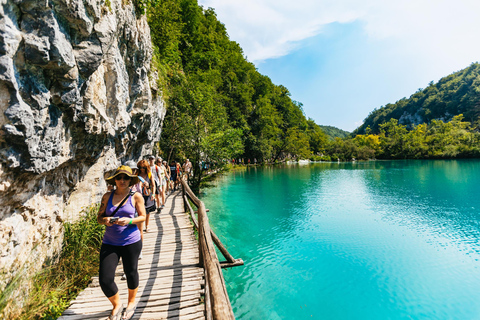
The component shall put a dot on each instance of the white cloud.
(272, 28)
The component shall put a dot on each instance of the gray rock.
(76, 14)
(10, 36)
(75, 100)
(89, 56)
(37, 50)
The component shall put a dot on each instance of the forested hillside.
(334, 132)
(439, 122)
(458, 93)
(219, 105)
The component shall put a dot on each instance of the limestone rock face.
(75, 101)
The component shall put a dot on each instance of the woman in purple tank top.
(121, 239)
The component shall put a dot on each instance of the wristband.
(131, 220)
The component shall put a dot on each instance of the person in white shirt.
(155, 170)
(163, 180)
(187, 168)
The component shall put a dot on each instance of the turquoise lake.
(363, 240)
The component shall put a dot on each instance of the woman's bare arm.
(103, 208)
(140, 207)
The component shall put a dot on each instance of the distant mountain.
(334, 132)
(458, 93)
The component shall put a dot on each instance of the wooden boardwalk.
(171, 282)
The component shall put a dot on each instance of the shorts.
(151, 209)
(157, 191)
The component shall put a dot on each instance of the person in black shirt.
(173, 175)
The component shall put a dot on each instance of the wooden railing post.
(185, 207)
(221, 307)
(217, 303)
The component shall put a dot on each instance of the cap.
(132, 164)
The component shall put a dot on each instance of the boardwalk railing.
(217, 303)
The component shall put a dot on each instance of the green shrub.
(59, 283)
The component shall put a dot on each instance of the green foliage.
(218, 105)
(60, 282)
(318, 138)
(458, 93)
(437, 140)
(141, 6)
(333, 132)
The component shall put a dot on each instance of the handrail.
(217, 303)
(230, 261)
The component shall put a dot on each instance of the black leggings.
(109, 257)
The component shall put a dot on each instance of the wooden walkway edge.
(171, 281)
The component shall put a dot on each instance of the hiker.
(122, 239)
(167, 170)
(173, 175)
(179, 174)
(148, 190)
(187, 169)
(137, 188)
(156, 177)
(163, 181)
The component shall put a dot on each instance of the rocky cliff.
(76, 98)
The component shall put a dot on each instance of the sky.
(343, 58)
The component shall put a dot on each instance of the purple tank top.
(121, 235)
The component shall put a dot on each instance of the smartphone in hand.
(113, 220)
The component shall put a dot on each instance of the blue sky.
(344, 58)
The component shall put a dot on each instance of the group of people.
(135, 190)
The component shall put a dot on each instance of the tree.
(392, 137)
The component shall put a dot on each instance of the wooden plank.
(157, 300)
(162, 232)
(167, 248)
(146, 279)
(160, 256)
(100, 298)
(170, 226)
(172, 243)
(158, 295)
(160, 273)
(173, 314)
(169, 238)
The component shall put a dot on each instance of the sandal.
(132, 310)
(117, 315)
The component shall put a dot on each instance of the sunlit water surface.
(364, 240)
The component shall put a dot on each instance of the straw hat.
(125, 170)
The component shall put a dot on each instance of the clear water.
(365, 240)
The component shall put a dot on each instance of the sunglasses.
(145, 168)
(123, 177)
